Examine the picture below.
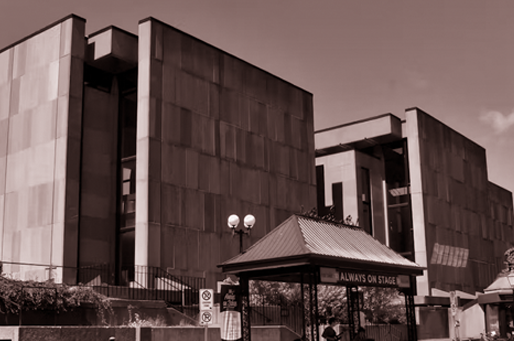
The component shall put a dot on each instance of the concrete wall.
(472, 323)
(452, 201)
(67, 333)
(268, 333)
(40, 127)
(216, 136)
(97, 241)
(346, 167)
(341, 167)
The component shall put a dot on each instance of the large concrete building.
(130, 150)
(421, 188)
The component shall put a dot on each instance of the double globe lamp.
(248, 221)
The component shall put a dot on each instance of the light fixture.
(233, 221)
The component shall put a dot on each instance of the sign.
(396, 192)
(403, 281)
(206, 299)
(230, 312)
(205, 317)
(230, 298)
(343, 277)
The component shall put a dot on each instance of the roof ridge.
(321, 220)
(304, 246)
(262, 240)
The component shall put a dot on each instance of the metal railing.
(142, 283)
(387, 332)
(286, 315)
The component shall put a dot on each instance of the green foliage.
(380, 305)
(17, 295)
(274, 293)
(332, 302)
(313, 213)
(383, 305)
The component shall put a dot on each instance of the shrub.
(18, 295)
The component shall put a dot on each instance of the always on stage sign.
(339, 276)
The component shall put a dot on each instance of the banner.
(343, 277)
(230, 308)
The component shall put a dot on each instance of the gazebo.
(498, 300)
(312, 251)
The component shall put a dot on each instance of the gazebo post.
(304, 327)
(410, 311)
(313, 303)
(411, 316)
(352, 300)
(246, 327)
(316, 278)
(311, 306)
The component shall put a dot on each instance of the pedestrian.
(329, 333)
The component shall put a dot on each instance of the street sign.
(205, 317)
(206, 299)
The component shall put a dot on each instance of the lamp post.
(248, 222)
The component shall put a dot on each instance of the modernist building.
(125, 150)
(133, 150)
(421, 188)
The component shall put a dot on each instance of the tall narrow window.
(366, 220)
(320, 189)
(127, 184)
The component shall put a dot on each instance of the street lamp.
(248, 221)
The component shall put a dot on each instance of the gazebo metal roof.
(301, 241)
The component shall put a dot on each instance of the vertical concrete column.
(417, 204)
(70, 97)
(143, 143)
(148, 149)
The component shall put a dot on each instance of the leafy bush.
(380, 305)
(17, 295)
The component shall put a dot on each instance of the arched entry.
(310, 252)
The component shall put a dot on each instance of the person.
(329, 333)
(361, 335)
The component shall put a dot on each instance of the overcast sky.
(453, 59)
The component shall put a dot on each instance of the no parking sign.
(206, 317)
(206, 304)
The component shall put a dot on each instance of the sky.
(359, 58)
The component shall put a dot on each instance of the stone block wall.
(461, 223)
(216, 136)
(40, 131)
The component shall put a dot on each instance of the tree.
(380, 305)
(383, 305)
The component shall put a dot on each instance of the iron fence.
(286, 315)
(387, 332)
(142, 283)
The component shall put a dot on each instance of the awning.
(302, 240)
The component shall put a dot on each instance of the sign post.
(453, 309)
(206, 305)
